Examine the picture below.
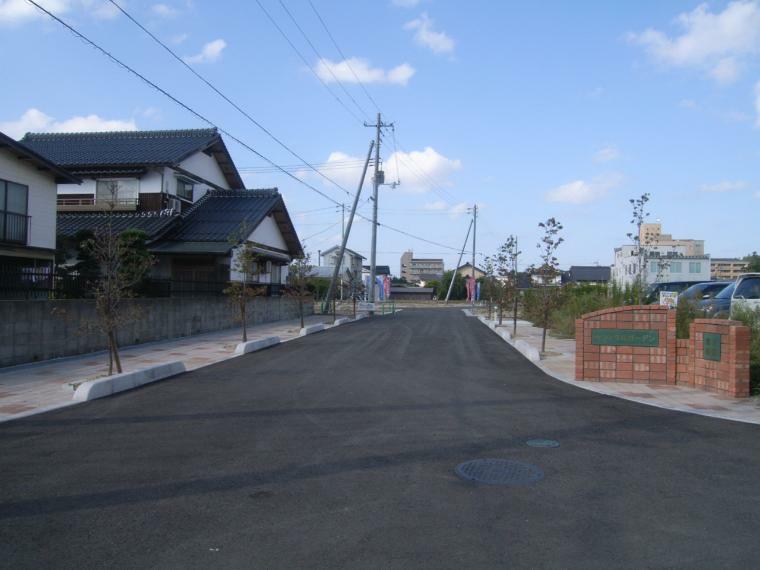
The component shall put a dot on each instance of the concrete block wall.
(38, 330)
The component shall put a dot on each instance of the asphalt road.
(338, 450)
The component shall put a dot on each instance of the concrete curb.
(126, 381)
(254, 345)
(311, 329)
(341, 321)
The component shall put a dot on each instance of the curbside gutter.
(126, 381)
(254, 345)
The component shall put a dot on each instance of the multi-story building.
(416, 269)
(726, 269)
(137, 171)
(662, 263)
(651, 235)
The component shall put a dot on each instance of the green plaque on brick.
(625, 337)
(711, 346)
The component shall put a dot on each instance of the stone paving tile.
(41, 385)
(561, 365)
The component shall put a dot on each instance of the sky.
(530, 110)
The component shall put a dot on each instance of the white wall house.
(351, 261)
(664, 263)
(138, 170)
(28, 185)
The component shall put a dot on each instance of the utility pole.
(474, 235)
(376, 182)
(456, 269)
(342, 251)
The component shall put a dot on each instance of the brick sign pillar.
(719, 356)
(627, 344)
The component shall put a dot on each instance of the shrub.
(751, 318)
(578, 301)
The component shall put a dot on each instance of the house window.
(654, 266)
(14, 220)
(675, 267)
(185, 189)
(276, 274)
(695, 267)
(118, 191)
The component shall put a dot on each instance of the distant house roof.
(586, 273)
(348, 251)
(469, 265)
(429, 276)
(220, 214)
(155, 224)
(379, 269)
(27, 153)
(96, 153)
(412, 290)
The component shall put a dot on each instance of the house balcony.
(14, 228)
(93, 205)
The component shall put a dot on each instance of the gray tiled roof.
(119, 147)
(41, 162)
(152, 223)
(589, 273)
(220, 215)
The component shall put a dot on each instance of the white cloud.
(425, 35)
(344, 71)
(20, 11)
(688, 104)
(757, 194)
(405, 3)
(211, 52)
(179, 38)
(164, 10)
(34, 120)
(417, 170)
(442, 206)
(713, 41)
(607, 154)
(581, 191)
(725, 186)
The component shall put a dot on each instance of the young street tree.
(123, 261)
(246, 265)
(489, 285)
(547, 273)
(506, 268)
(298, 278)
(638, 219)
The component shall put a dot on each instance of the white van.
(746, 292)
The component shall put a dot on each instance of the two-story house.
(28, 184)
(137, 171)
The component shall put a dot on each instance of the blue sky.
(531, 110)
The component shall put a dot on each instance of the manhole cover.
(499, 472)
(543, 443)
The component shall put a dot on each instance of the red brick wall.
(646, 365)
(683, 378)
(730, 375)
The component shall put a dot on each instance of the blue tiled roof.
(119, 147)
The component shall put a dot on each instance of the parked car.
(653, 292)
(719, 306)
(747, 292)
(706, 290)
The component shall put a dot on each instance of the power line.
(319, 56)
(345, 59)
(189, 109)
(320, 232)
(306, 63)
(204, 119)
(223, 96)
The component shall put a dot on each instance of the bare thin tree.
(547, 274)
(246, 264)
(298, 278)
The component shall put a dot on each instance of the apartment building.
(416, 269)
(726, 269)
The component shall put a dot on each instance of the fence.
(43, 283)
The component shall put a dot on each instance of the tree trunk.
(300, 308)
(501, 310)
(543, 340)
(243, 318)
(514, 318)
(115, 351)
(110, 357)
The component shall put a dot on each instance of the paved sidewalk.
(34, 388)
(559, 362)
